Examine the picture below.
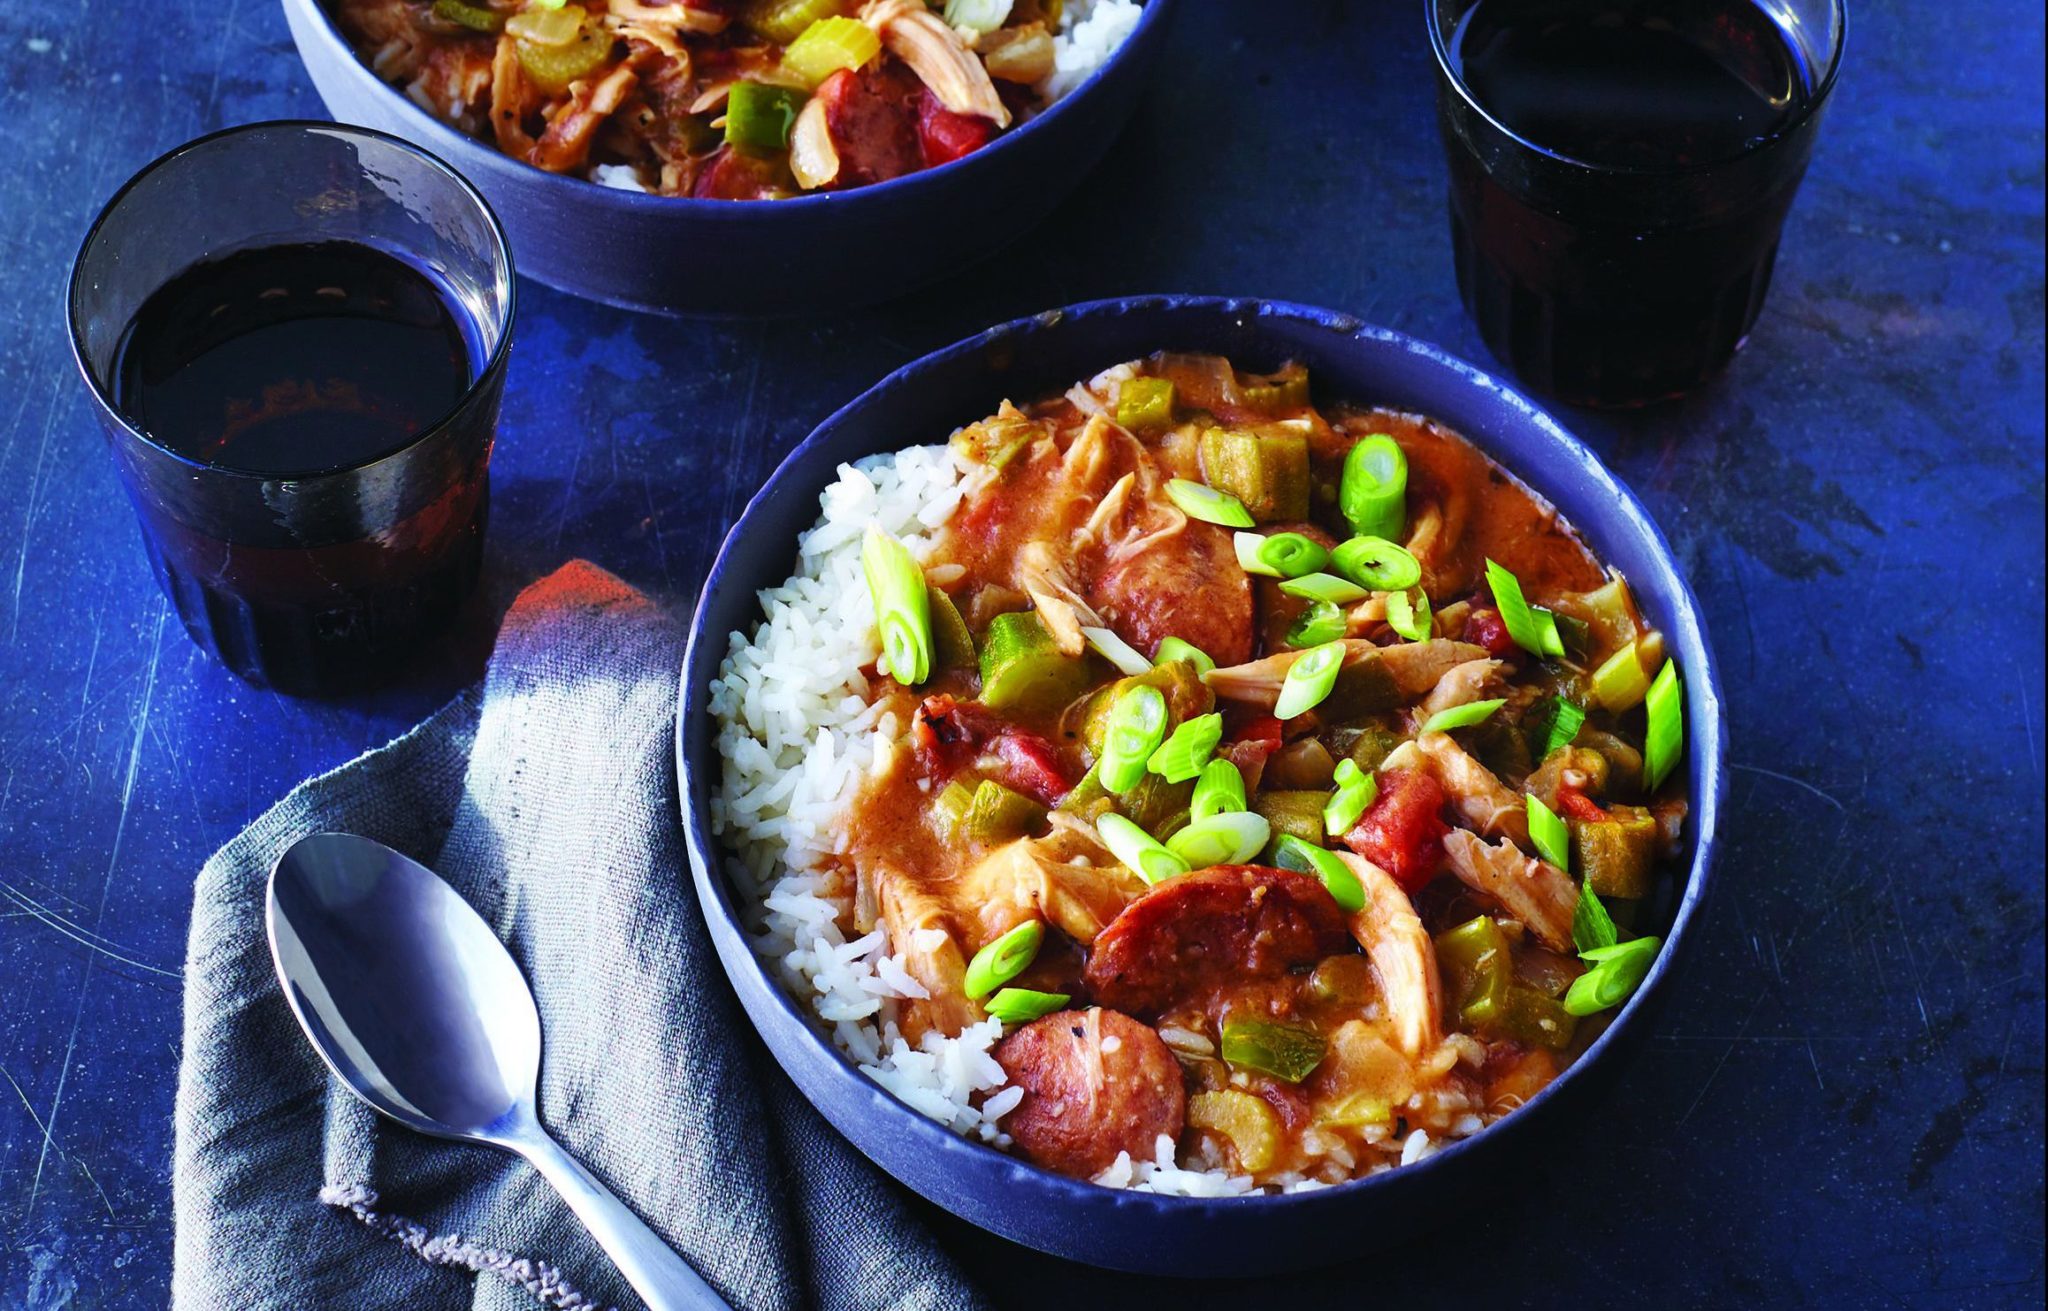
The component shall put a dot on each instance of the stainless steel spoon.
(414, 1003)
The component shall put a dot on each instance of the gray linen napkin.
(548, 798)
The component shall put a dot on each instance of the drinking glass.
(322, 579)
(1620, 284)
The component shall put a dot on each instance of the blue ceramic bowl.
(726, 259)
(1030, 357)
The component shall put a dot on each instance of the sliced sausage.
(871, 114)
(1188, 586)
(1096, 1083)
(1195, 934)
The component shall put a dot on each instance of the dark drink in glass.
(295, 334)
(1620, 170)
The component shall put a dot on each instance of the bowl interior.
(923, 403)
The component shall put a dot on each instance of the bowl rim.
(324, 30)
(1705, 717)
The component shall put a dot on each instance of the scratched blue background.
(1843, 1105)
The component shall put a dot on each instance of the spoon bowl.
(414, 1003)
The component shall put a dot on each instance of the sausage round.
(1096, 1083)
(1197, 933)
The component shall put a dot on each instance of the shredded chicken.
(936, 54)
(1401, 953)
(1413, 668)
(1032, 877)
(1059, 605)
(941, 969)
(566, 143)
(1461, 685)
(1481, 799)
(1537, 893)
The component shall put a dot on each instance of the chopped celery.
(952, 644)
(553, 25)
(758, 117)
(949, 809)
(829, 45)
(1281, 1050)
(996, 814)
(1022, 668)
(1615, 856)
(783, 21)
(1621, 681)
(1251, 1127)
(1266, 472)
(1144, 403)
(474, 17)
(982, 16)
(554, 67)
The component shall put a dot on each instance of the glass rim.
(1814, 103)
(492, 366)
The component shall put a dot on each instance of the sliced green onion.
(1356, 791)
(1661, 745)
(1231, 838)
(1373, 489)
(1554, 725)
(1135, 728)
(1022, 1005)
(758, 117)
(1548, 638)
(1144, 402)
(1004, 959)
(1408, 614)
(1472, 712)
(1615, 974)
(977, 15)
(1184, 752)
(1325, 587)
(1118, 652)
(1208, 504)
(1138, 849)
(1219, 791)
(1293, 853)
(1321, 622)
(1553, 840)
(902, 606)
(1172, 649)
(1592, 927)
(1282, 555)
(1310, 679)
(1522, 623)
(1376, 564)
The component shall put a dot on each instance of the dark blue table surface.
(1843, 1104)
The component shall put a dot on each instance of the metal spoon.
(411, 999)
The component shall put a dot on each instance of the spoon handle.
(664, 1280)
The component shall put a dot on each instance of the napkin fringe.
(539, 1278)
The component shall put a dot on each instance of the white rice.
(1090, 32)
(798, 736)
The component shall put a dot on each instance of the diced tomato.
(946, 735)
(945, 136)
(1485, 627)
(1266, 729)
(735, 175)
(1030, 766)
(1574, 804)
(1402, 831)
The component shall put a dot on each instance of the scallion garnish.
(1356, 790)
(1114, 649)
(1187, 748)
(1137, 849)
(1408, 614)
(1172, 649)
(1208, 504)
(1310, 679)
(1616, 972)
(1529, 632)
(1373, 489)
(1592, 927)
(1319, 622)
(1136, 727)
(1248, 558)
(1325, 587)
(1294, 853)
(902, 607)
(1022, 1005)
(1219, 791)
(1665, 702)
(1554, 725)
(1227, 839)
(1282, 555)
(1553, 840)
(1472, 712)
(1004, 959)
(1376, 564)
